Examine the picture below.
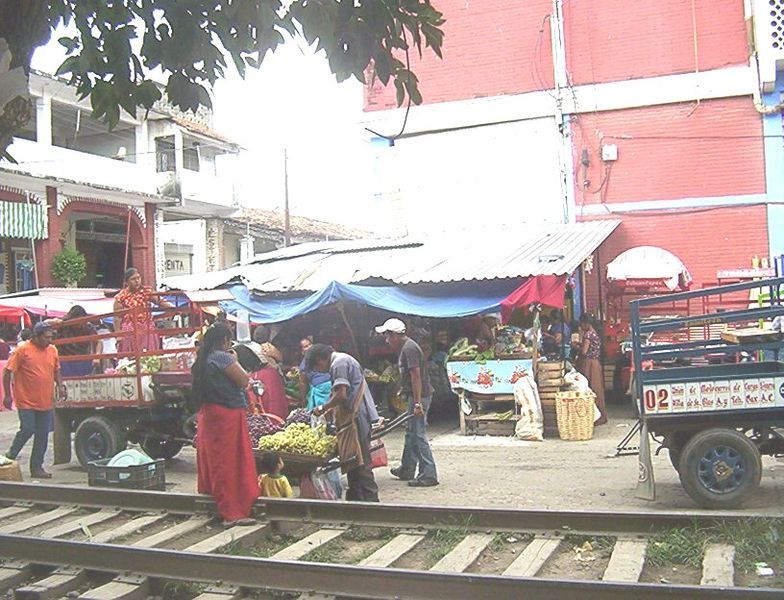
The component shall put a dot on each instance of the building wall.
(612, 40)
(668, 83)
(498, 173)
(706, 240)
(190, 232)
(488, 51)
(687, 150)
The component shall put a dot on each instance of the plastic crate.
(151, 476)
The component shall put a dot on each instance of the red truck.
(140, 397)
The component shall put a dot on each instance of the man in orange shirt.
(34, 368)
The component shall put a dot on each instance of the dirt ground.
(489, 471)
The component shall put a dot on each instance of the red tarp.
(541, 289)
(13, 314)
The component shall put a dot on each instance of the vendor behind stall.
(314, 386)
(556, 335)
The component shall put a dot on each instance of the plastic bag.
(320, 485)
(378, 454)
(530, 425)
(577, 382)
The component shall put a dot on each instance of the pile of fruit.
(261, 425)
(299, 415)
(302, 439)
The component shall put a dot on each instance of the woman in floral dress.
(140, 322)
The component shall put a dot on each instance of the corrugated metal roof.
(530, 250)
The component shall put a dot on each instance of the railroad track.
(99, 544)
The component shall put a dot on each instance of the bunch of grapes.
(299, 438)
(259, 426)
(298, 415)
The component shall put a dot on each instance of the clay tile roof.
(301, 227)
(201, 129)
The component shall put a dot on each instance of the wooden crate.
(550, 366)
(550, 375)
(487, 425)
(750, 335)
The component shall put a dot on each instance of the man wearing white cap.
(416, 389)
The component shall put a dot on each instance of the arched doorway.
(101, 233)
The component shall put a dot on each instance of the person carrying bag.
(354, 412)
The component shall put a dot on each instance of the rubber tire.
(111, 437)
(675, 458)
(675, 445)
(696, 448)
(159, 448)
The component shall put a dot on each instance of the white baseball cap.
(392, 326)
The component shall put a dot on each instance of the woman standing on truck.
(224, 459)
(589, 365)
(139, 323)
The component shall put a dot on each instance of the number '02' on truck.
(710, 385)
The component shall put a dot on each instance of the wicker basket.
(574, 411)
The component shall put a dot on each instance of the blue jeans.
(36, 423)
(416, 451)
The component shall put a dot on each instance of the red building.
(660, 114)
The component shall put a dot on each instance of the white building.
(108, 193)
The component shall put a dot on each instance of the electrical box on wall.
(609, 152)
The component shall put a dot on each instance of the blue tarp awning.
(448, 300)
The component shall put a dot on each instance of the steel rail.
(342, 580)
(93, 497)
(393, 515)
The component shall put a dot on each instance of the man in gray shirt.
(415, 388)
(347, 379)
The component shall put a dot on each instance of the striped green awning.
(26, 221)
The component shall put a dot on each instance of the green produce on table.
(299, 438)
(483, 357)
(292, 389)
(390, 375)
(462, 349)
(371, 376)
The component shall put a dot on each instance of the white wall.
(463, 179)
(188, 232)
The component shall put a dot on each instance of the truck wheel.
(97, 438)
(675, 457)
(719, 468)
(161, 448)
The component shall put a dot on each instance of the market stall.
(486, 391)
(484, 379)
(444, 282)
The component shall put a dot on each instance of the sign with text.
(714, 395)
(107, 389)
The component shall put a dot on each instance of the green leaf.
(400, 92)
(69, 43)
(190, 43)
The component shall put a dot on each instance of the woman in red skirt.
(224, 459)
